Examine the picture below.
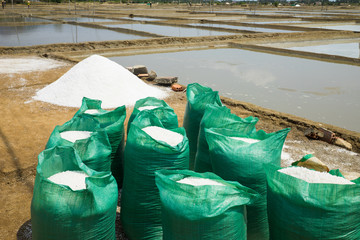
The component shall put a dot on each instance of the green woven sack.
(235, 160)
(140, 201)
(219, 117)
(58, 212)
(163, 111)
(207, 212)
(299, 210)
(198, 97)
(113, 123)
(94, 151)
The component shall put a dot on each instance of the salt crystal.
(73, 179)
(195, 181)
(162, 134)
(312, 176)
(72, 136)
(147, 108)
(100, 78)
(248, 140)
(92, 111)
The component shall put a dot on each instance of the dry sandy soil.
(25, 126)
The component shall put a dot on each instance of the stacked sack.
(75, 193)
(78, 205)
(219, 117)
(198, 97)
(230, 147)
(202, 206)
(243, 158)
(112, 122)
(89, 140)
(150, 147)
(305, 204)
(159, 107)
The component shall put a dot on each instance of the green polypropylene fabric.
(59, 213)
(163, 111)
(235, 160)
(94, 151)
(219, 117)
(198, 97)
(205, 212)
(140, 201)
(113, 123)
(299, 210)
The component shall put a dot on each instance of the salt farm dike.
(292, 66)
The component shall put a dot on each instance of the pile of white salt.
(73, 179)
(100, 78)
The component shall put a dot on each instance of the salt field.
(255, 29)
(60, 33)
(170, 30)
(88, 19)
(351, 50)
(306, 88)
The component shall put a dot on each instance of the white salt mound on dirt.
(312, 176)
(74, 179)
(92, 111)
(147, 108)
(28, 64)
(248, 140)
(98, 77)
(195, 181)
(162, 134)
(72, 136)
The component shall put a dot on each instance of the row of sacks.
(78, 174)
(287, 207)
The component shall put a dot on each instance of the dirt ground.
(26, 125)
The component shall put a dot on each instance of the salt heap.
(98, 77)
(72, 136)
(248, 140)
(312, 176)
(73, 179)
(195, 181)
(162, 134)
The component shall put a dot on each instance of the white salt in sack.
(162, 134)
(73, 179)
(195, 181)
(92, 111)
(72, 136)
(147, 108)
(312, 176)
(248, 140)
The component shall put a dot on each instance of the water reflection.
(170, 30)
(321, 91)
(56, 33)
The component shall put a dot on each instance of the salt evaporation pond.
(22, 19)
(351, 50)
(320, 91)
(256, 29)
(88, 19)
(170, 30)
(57, 33)
(141, 18)
(355, 27)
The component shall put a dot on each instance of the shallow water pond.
(88, 19)
(170, 30)
(351, 50)
(22, 19)
(57, 33)
(320, 91)
(256, 29)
